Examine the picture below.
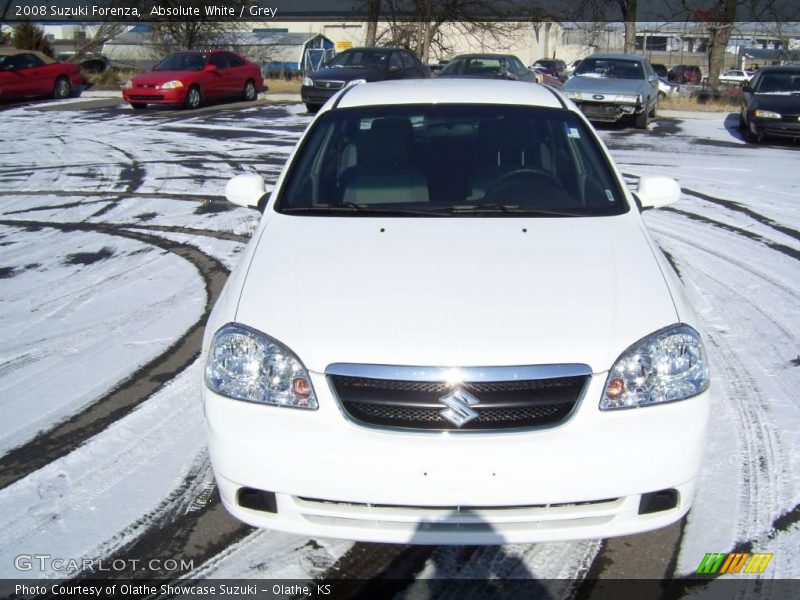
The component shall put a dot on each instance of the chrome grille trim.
(466, 374)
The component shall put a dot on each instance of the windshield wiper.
(361, 209)
(513, 209)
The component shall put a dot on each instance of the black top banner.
(140, 11)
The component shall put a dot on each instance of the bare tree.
(93, 42)
(628, 10)
(373, 14)
(27, 36)
(176, 33)
(428, 29)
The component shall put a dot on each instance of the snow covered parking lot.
(115, 240)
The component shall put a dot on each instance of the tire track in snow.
(70, 434)
(760, 438)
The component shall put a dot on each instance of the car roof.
(16, 51)
(449, 91)
(781, 68)
(483, 55)
(380, 49)
(617, 56)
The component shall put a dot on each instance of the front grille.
(600, 110)
(328, 84)
(416, 404)
(150, 97)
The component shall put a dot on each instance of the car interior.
(439, 161)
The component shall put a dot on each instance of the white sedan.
(452, 327)
(736, 76)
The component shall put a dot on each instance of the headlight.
(766, 114)
(247, 365)
(308, 82)
(172, 85)
(128, 84)
(629, 98)
(666, 366)
(574, 95)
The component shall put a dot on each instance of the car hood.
(455, 291)
(777, 102)
(604, 85)
(159, 77)
(349, 73)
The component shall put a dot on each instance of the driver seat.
(504, 146)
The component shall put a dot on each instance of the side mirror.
(656, 191)
(245, 190)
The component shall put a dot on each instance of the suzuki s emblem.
(598, 96)
(458, 402)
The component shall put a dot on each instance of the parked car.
(436, 68)
(770, 104)
(488, 66)
(189, 78)
(610, 87)
(736, 76)
(667, 89)
(685, 74)
(367, 64)
(504, 336)
(28, 73)
(660, 70)
(543, 78)
(553, 67)
(572, 66)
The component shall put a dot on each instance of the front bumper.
(787, 127)
(607, 112)
(580, 479)
(154, 95)
(316, 96)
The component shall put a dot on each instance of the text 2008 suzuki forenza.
(452, 327)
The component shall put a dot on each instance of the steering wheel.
(523, 172)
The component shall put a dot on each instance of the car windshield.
(478, 66)
(183, 62)
(451, 160)
(779, 83)
(613, 68)
(359, 59)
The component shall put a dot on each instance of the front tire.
(193, 98)
(138, 105)
(640, 121)
(250, 92)
(62, 88)
(312, 108)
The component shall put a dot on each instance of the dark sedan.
(368, 64)
(770, 104)
(488, 66)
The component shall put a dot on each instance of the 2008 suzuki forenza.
(451, 326)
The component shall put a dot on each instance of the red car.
(27, 73)
(188, 78)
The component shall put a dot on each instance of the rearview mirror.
(245, 190)
(656, 191)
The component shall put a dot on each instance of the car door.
(394, 67)
(23, 78)
(652, 84)
(217, 82)
(237, 73)
(522, 73)
(412, 67)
